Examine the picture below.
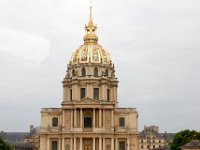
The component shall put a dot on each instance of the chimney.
(31, 127)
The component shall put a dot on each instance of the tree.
(4, 146)
(183, 137)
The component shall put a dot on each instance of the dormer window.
(95, 72)
(83, 72)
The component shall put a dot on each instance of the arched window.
(122, 122)
(55, 121)
(83, 72)
(95, 72)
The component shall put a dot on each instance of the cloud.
(31, 47)
(154, 45)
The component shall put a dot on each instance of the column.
(104, 144)
(104, 116)
(116, 144)
(74, 143)
(93, 118)
(93, 144)
(128, 144)
(48, 143)
(71, 145)
(81, 118)
(100, 143)
(112, 144)
(81, 141)
(72, 118)
(75, 117)
(100, 118)
(63, 123)
(103, 92)
(59, 144)
(63, 143)
(112, 119)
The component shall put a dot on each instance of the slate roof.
(166, 136)
(13, 136)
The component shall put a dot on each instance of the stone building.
(17, 140)
(192, 145)
(33, 137)
(89, 118)
(150, 138)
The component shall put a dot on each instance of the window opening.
(54, 145)
(122, 145)
(54, 121)
(121, 122)
(82, 93)
(96, 93)
(108, 95)
(83, 72)
(95, 72)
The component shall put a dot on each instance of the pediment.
(87, 101)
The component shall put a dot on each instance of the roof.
(13, 136)
(193, 143)
(166, 136)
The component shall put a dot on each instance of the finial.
(90, 28)
(91, 20)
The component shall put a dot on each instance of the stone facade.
(150, 138)
(89, 118)
(33, 137)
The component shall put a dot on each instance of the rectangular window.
(87, 122)
(96, 93)
(122, 122)
(122, 145)
(82, 93)
(54, 145)
(71, 94)
(108, 95)
(54, 121)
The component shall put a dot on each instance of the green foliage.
(183, 137)
(4, 146)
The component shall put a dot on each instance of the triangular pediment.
(87, 101)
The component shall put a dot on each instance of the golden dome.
(90, 51)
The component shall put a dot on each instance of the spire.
(90, 31)
(91, 20)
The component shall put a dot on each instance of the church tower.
(89, 118)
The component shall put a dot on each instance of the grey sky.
(155, 45)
